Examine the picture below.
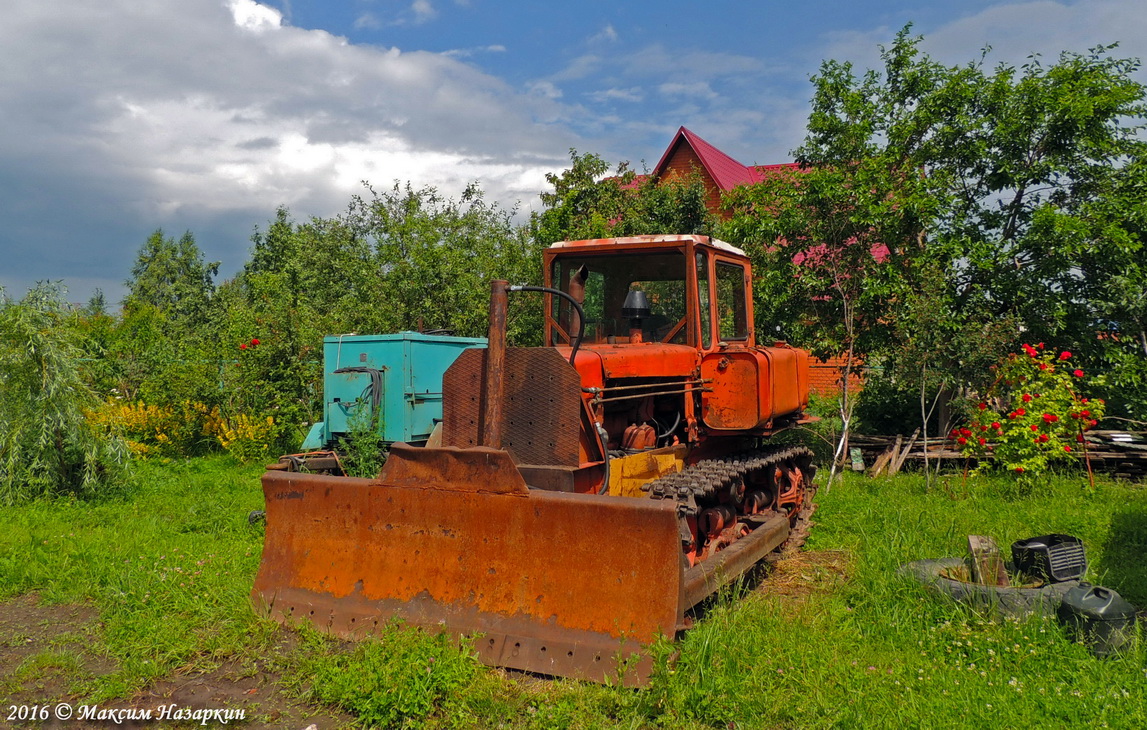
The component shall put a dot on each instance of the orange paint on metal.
(752, 386)
(740, 397)
(645, 360)
(787, 366)
(555, 581)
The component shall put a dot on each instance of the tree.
(434, 258)
(991, 177)
(1006, 162)
(48, 446)
(172, 277)
(397, 259)
(825, 271)
(1106, 238)
(587, 202)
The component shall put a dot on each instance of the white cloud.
(689, 65)
(579, 68)
(1014, 30)
(255, 17)
(368, 21)
(423, 11)
(631, 94)
(208, 116)
(698, 89)
(468, 52)
(419, 12)
(608, 34)
(544, 88)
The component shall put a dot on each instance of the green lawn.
(834, 638)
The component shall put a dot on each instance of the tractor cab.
(684, 290)
(672, 317)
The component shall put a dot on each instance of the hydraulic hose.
(374, 388)
(672, 428)
(576, 305)
(605, 451)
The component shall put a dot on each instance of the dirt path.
(48, 653)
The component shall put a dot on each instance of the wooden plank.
(987, 564)
(887, 468)
(881, 462)
(899, 461)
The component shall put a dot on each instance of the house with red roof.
(719, 172)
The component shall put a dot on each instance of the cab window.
(703, 298)
(731, 311)
(602, 284)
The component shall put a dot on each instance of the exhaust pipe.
(493, 387)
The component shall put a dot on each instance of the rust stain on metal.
(562, 581)
(493, 385)
(435, 541)
(542, 405)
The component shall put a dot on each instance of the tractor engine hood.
(598, 363)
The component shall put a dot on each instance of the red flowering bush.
(1032, 415)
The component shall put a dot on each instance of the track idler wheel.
(790, 488)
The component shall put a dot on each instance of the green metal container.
(394, 381)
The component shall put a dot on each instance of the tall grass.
(169, 566)
(879, 651)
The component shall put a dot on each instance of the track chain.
(702, 482)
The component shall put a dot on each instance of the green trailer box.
(397, 376)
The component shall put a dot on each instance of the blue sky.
(205, 115)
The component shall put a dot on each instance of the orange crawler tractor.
(580, 498)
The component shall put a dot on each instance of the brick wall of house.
(681, 163)
(825, 375)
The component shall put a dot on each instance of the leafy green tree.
(397, 259)
(1110, 283)
(97, 329)
(994, 177)
(588, 202)
(826, 274)
(161, 350)
(434, 258)
(48, 446)
(172, 277)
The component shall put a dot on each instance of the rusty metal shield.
(562, 584)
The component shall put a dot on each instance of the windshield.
(602, 284)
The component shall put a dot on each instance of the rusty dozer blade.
(556, 583)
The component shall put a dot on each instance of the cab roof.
(651, 241)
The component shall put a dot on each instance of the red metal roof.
(761, 172)
(726, 172)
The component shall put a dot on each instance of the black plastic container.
(1099, 617)
(1054, 558)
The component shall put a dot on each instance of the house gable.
(719, 172)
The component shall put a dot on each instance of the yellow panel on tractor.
(629, 474)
